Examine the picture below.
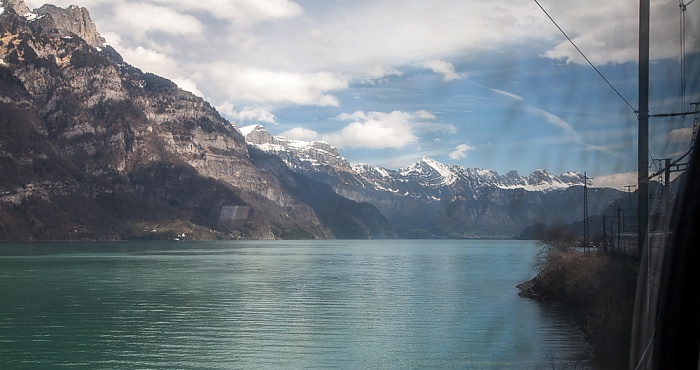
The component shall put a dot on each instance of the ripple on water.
(393, 304)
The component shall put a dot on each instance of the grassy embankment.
(596, 289)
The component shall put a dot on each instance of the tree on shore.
(555, 241)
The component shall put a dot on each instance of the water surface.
(301, 304)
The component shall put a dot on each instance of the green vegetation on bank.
(596, 289)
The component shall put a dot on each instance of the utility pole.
(586, 227)
(629, 191)
(619, 224)
(605, 237)
(695, 106)
(643, 134)
(667, 185)
(641, 330)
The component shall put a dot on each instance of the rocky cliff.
(93, 148)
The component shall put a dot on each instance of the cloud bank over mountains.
(358, 74)
(237, 50)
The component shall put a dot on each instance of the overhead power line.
(683, 7)
(672, 164)
(586, 58)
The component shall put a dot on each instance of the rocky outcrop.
(18, 6)
(70, 22)
(73, 21)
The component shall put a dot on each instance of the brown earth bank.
(597, 290)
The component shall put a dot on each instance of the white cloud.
(300, 133)
(188, 85)
(424, 114)
(557, 121)
(241, 13)
(681, 135)
(141, 19)
(446, 69)
(460, 152)
(365, 41)
(435, 127)
(247, 114)
(154, 62)
(592, 24)
(508, 94)
(374, 130)
(385, 130)
(243, 83)
(379, 74)
(276, 54)
(357, 115)
(570, 133)
(616, 180)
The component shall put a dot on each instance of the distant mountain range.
(430, 199)
(92, 148)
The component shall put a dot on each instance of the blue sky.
(480, 84)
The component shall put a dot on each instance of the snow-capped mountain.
(315, 156)
(433, 199)
(431, 174)
(422, 178)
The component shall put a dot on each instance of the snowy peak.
(541, 180)
(573, 178)
(314, 155)
(422, 178)
(541, 177)
(430, 172)
(370, 171)
(426, 178)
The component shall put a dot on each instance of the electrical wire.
(652, 163)
(673, 134)
(683, 7)
(682, 42)
(586, 58)
(681, 33)
(672, 164)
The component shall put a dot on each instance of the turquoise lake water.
(277, 304)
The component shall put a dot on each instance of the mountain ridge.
(431, 172)
(429, 199)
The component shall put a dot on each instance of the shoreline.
(597, 292)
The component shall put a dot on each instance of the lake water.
(280, 304)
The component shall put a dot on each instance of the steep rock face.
(345, 218)
(17, 5)
(73, 21)
(92, 148)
